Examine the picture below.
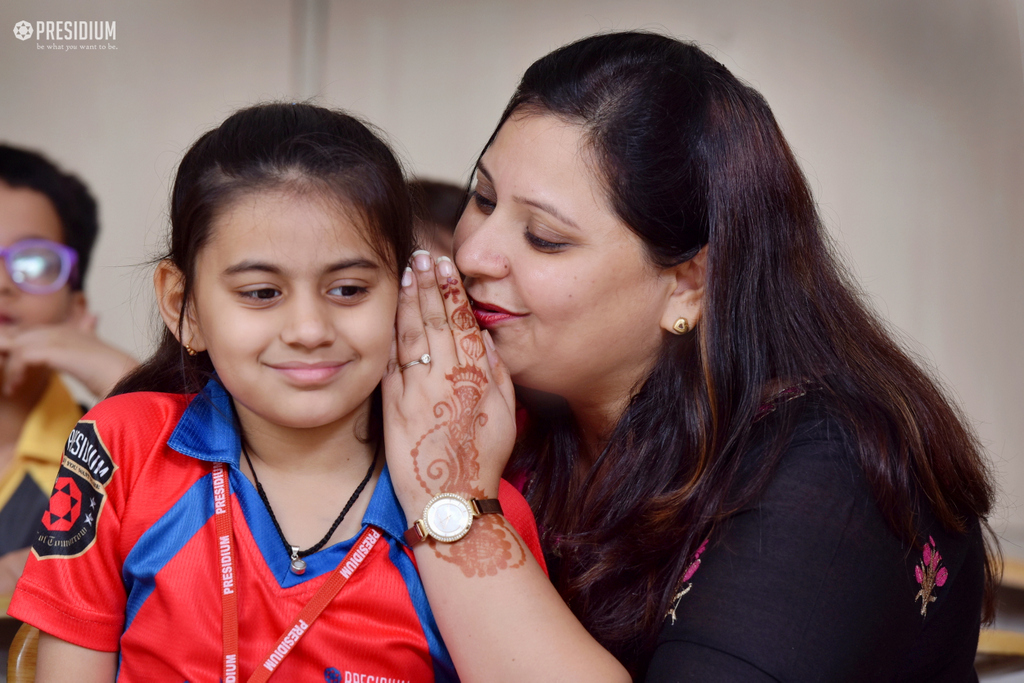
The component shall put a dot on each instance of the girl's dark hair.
(690, 157)
(296, 147)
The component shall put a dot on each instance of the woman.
(738, 474)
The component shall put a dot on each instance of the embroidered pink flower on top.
(929, 574)
(695, 565)
(684, 583)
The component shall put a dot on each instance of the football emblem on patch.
(69, 523)
(65, 505)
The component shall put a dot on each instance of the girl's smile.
(308, 374)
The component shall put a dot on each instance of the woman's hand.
(450, 422)
(449, 426)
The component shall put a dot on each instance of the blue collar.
(207, 431)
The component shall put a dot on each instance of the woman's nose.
(481, 248)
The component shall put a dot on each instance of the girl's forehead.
(286, 225)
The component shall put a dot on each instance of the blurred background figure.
(438, 205)
(48, 225)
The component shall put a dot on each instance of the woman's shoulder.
(808, 578)
(820, 471)
(813, 445)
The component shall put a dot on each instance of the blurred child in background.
(48, 225)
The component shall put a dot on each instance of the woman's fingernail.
(488, 342)
(407, 277)
(421, 260)
(445, 266)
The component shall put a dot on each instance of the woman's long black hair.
(693, 157)
(296, 147)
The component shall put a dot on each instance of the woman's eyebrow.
(548, 208)
(543, 206)
(482, 170)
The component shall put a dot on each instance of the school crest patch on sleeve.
(68, 526)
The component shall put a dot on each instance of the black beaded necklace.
(298, 564)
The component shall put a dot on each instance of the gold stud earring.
(681, 326)
(189, 350)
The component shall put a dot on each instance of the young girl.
(240, 523)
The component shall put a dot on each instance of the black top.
(809, 583)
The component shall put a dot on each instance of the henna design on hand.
(446, 457)
(463, 318)
(452, 288)
(490, 547)
(457, 467)
(473, 345)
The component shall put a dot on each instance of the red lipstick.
(489, 315)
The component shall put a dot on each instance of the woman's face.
(574, 305)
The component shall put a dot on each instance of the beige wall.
(908, 117)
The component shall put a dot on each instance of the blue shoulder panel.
(162, 542)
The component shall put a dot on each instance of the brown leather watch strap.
(416, 534)
(487, 506)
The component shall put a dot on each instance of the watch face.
(448, 517)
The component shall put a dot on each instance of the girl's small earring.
(681, 326)
(189, 350)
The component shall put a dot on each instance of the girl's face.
(295, 309)
(574, 305)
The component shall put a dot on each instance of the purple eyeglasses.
(38, 266)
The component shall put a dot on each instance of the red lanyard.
(306, 616)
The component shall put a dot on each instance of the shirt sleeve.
(810, 584)
(517, 511)
(72, 586)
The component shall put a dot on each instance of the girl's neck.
(328, 449)
(308, 475)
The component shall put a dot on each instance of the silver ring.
(424, 359)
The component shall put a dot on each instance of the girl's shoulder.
(128, 426)
(138, 408)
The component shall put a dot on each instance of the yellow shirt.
(36, 461)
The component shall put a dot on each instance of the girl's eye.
(483, 203)
(348, 292)
(541, 244)
(261, 294)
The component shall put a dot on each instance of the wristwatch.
(448, 517)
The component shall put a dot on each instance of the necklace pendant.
(298, 564)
